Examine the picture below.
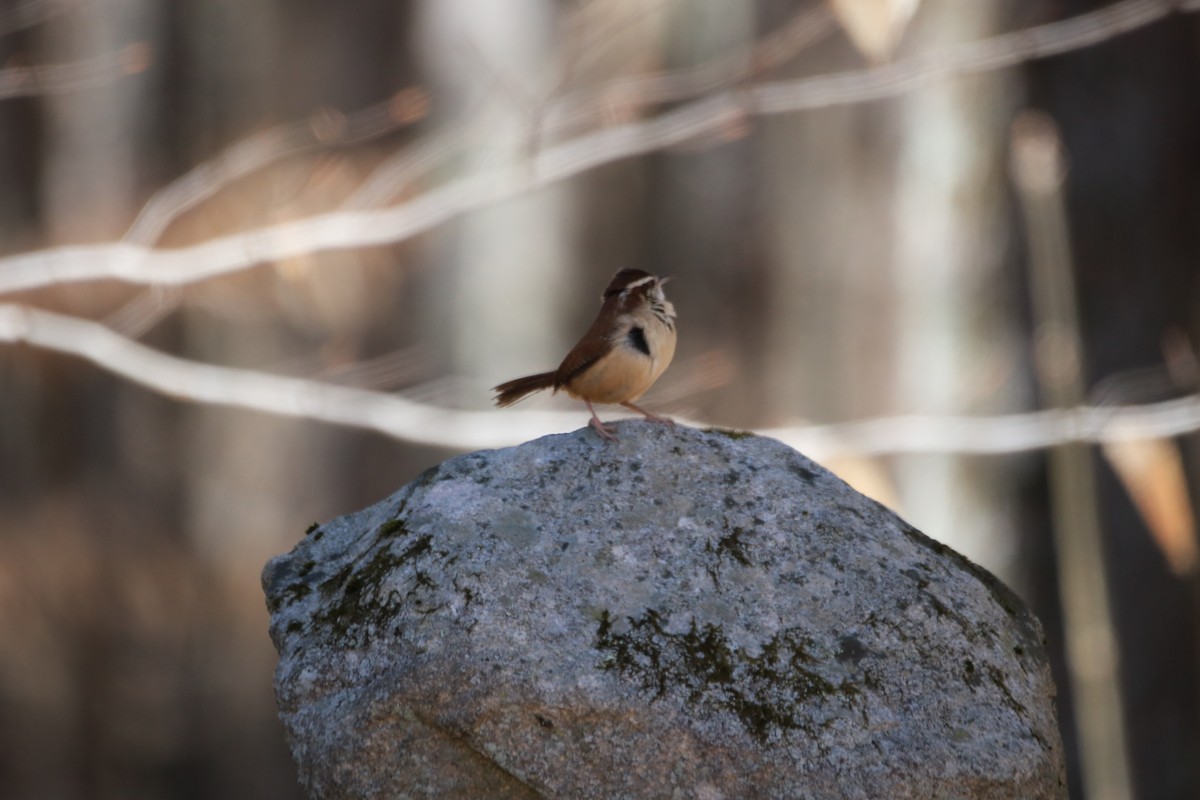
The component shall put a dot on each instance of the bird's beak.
(662, 281)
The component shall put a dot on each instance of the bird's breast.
(636, 360)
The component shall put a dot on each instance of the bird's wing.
(598, 342)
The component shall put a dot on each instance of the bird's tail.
(511, 392)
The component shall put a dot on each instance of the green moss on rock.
(358, 602)
(766, 692)
(731, 433)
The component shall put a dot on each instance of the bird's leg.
(649, 416)
(606, 433)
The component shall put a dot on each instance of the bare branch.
(423, 423)
(1010, 433)
(258, 151)
(403, 169)
(31, 13)
(145, 310)
(984, 55)
(273, 394)
(76, 75)
(807, 27)
(359, 228)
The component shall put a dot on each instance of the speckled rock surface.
(684, 614)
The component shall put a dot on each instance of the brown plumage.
(622, 354)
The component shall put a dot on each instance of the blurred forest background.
(260, 262)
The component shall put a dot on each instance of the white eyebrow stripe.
(641, 282)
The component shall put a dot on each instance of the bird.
(622, 354)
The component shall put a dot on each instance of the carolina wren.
(628, 346)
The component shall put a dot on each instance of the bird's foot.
(604, 431)
(649, 416)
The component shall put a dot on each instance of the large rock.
(683, 614)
